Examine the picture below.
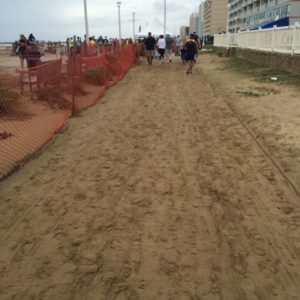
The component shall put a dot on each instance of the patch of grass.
(244, 66)
(53, 96)
(96, 76)
(8, 99)
(249, 94)
(264, 91)
(282, 76)
(261, 73)
(258, 92)
(207, 49)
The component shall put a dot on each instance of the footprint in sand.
(60, 235)
(49, 293)
(3, 268)
(126, 294)
(28, 248)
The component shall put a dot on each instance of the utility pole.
(86, 23)
(119, 17)
(133, 24)
(165, 17)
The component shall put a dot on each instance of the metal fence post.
(258, 39)
(246, 39)
(273, 38)
(228, 40)
(73, 67)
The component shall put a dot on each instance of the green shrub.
(8, 99)
(96, 76)
(53, 96)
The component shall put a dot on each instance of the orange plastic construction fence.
(36, 102)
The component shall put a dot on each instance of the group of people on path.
(25, 46)
(188, 49)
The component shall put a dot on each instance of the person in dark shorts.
(191, 50)
(150, 45)
(182, 53)
(22, 49)
(161, 45)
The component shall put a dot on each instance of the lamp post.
(119, 16)
(165, 17)
(86, 23)
(133, 24)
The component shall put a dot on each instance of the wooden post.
(258, 39)
(273, 38)
(294, 38)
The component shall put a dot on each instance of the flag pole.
(86, 23)
(165, 17)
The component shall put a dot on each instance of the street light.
(86, 23)
(119, 14)
(165, 17)
(133, 21)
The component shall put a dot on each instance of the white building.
(214, 16)
(252, 14)
(184, 32)
(194, 23)
(201, 19)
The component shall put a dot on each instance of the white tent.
(155, 27)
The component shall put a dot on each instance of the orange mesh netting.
(35, 102)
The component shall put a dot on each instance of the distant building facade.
(252, 14)
(215, 15)
(194, 23)
(184, 32)
(201, 19)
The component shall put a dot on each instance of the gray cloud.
(57, 19)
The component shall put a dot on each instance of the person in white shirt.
(178, 44)
(161, 45)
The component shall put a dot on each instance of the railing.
(276, 39)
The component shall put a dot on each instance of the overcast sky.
(58, 19)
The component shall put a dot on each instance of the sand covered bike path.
(156, 192)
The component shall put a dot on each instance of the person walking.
(22, 49)
(191, 50)
(195, 37)
(178, 44)
(169, 48)
(150, 43)
(161, 45)
(78, 44)
(32, 40)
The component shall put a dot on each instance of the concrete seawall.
(273, 60)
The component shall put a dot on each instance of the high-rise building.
(253, 14)
(201, 19)
(194, 23)
(215, 16)
(184, 32)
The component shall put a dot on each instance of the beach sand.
(159, 191)
(11, 63)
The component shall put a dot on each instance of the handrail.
(276, 39)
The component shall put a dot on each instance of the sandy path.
(157, 192)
